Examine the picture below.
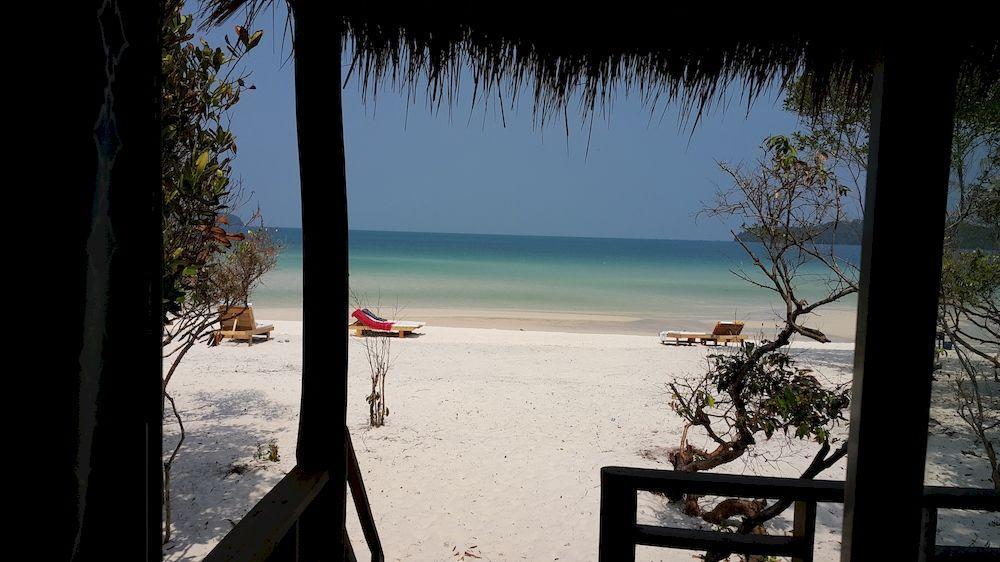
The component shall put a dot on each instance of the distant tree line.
(967, 236)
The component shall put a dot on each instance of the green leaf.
(202, 162)
(255, 38)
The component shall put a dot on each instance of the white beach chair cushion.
(406, 325)
(677, 334)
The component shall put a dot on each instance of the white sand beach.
(494, 441)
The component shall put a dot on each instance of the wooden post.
(928, 539)
(322, 174)
(804, 525)
(905, 204)
(618, 507)
(108, 299)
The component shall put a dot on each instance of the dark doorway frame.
(113, 418)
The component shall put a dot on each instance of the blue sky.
(410, 169)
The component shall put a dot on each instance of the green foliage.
(972, 278)
(268, 451)
(975, 169)
(839, 130)
(202, 267)
(764, 394)
(969, 311)
(200, 87)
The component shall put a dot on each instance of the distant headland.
(969, 236)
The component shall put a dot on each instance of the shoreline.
(838, 324)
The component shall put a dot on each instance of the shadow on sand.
(218, 475)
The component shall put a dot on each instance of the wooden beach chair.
(237, 322)
(366, 321)
(724, 332)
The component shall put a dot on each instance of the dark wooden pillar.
(905, 204)
(322, 173)
(107, 307)
(618, 516)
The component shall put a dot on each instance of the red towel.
(370, 321)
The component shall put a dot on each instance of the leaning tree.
(758, 391)
(792, 205)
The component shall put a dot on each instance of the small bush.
(268, 451)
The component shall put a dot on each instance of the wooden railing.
(361, 505)
(942, 497)
(271, 531)
(620, 533)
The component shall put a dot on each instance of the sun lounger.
(367, 321)
(237, 322)
(724, 332)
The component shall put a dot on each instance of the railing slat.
(946, 497)
(966, 553)
(260, 532)
(270, 532)
(349, 554)
(361, 504)
(700, 483)
(697, 539)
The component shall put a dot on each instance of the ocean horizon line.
(557, 236)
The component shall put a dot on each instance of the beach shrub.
(238, 271)
(743, 398)
(747, 395)
(268, 451)
(378, 352)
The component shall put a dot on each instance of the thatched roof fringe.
(558, 63)
(557, 71)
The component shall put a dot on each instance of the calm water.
(542, 273)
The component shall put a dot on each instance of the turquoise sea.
(643, 278)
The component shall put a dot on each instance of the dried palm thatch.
(558, 62)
